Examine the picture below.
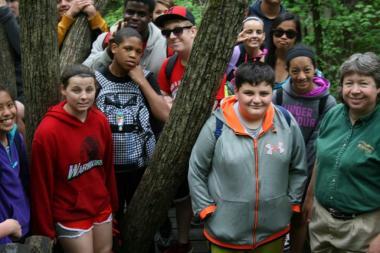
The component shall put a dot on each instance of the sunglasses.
(176, 31)
(291, 34)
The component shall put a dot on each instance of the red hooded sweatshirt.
(72, 174)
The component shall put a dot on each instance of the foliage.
(347, 28)
(196, 9)
(114, 10)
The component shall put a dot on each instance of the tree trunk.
(7, 67)
(77, 44)
(39, 53)
(318, 33)
(211, 52)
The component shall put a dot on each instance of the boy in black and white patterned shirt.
(131, 100)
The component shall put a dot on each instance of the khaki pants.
(328, 234)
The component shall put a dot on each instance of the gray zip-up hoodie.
(246, 187)
(305, 110)
(152, 59)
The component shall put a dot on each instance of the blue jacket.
(14, 201)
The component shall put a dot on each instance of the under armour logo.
(272, 148)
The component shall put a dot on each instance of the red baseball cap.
(175, 12)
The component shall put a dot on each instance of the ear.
(150, 17)
(194, 31)
(236, 93)
(114, 47)
(63, 90)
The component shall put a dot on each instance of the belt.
(340, 215)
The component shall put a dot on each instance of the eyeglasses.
(176, 31)
(291, 34)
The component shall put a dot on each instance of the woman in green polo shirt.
(343, 201)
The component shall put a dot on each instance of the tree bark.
(318, 33)
(7, 67)
(39, 53)
(33, 244)
(77, 44)
(211, 52)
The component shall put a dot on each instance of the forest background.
(334, 28)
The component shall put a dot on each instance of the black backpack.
(170, 66)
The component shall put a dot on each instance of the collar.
(232, 119)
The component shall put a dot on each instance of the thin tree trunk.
(209, 57)
(39, 53)
(7, 67)
(318, 33)
(77, 44)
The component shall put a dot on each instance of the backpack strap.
(170, 66)
(285, 112)
(218, 128)
(106, 40)
(322, 105)
(279, 95)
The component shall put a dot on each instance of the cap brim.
(161, 20)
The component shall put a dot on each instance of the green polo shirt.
(348, 162)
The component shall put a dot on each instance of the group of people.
(277, 158)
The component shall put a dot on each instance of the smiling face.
(137, 16)
(80, 95)
(360, 93)
(182, 42)
(301, 71)
(63, 6)
(283, 42)
(254, 100)
(7, 113)
(127, 54)
(254, 34)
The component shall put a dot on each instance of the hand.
(113, 30)
(242, 37)
(137, 75)
(89, 9)
(76, 7)
(307, 208)
(374, 246)
(168, 100)
(3, 3)
(13, 227)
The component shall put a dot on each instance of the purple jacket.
(14, 202)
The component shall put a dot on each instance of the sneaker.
(180, 248)
(196, 222)
(286, 244)
(162, 242)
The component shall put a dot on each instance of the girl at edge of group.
(14, 174)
